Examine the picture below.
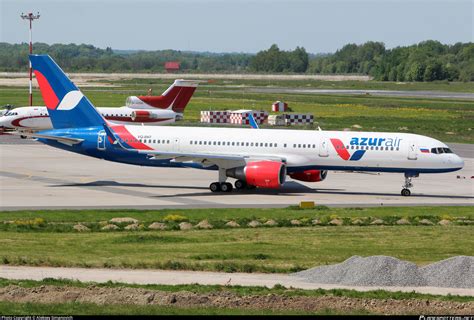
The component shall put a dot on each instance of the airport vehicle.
(255, 157)
(146, 110)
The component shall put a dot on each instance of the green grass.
(265, 249)
(223, 214)
(449, 120)
(76, 308)
(235, 250)
(240, 290)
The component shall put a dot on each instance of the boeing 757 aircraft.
(256, 158)
(146, 110)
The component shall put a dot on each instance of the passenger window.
(276, 145)
(270, 145)
(299, 145)
(247, 144)
(266, 144)
(391, 148)
(294, 145)
(251, 144)
(284, 145)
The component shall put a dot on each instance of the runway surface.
(35, 176)
(389, 93)
(171, 277)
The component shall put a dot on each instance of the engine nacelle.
(309, 175)
(142, 115)
(262, 174)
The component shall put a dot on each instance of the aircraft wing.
(208, 159)
(65, 140)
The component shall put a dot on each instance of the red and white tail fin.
(176, 97)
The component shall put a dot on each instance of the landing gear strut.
(221, 186)
(408, 184)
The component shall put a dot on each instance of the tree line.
(425, 61)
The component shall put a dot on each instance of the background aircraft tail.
(67, 106)
(176, 97)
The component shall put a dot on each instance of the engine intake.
(309, 175)
(262, 174)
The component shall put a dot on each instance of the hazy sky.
(238, 25)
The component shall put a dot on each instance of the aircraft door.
(101, 139)
(412, 151)
(176, 144)
(323, 147)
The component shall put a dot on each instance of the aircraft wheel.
(240, 184)
(23, 137)
(226, 187)
(406, 192)
(215, 187)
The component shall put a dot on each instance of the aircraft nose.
(457, 161)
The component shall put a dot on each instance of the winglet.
(252, 121)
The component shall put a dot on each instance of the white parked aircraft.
(256, 158)
(146, 110)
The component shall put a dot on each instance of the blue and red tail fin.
(67, 106)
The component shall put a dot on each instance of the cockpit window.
(440, 150)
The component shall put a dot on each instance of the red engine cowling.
(263, 174)
(309, 175)
(142, 115)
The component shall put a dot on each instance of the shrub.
(175, 218)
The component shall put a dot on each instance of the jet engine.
(309, 175)
(263, 174)
(142, 115)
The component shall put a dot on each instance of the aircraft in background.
(256, 158)
(146, 110)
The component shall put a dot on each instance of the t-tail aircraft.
(256, 158)
(146, 110)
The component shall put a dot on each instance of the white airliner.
(146, 110)
(255, 157)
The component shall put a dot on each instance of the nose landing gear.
(408, 184)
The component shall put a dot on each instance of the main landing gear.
(223, 186)
(408, 184)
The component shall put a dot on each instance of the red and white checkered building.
(242, 116)
(215, 116)
(279, 106)
(292, 119)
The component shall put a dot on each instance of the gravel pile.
(457, 272)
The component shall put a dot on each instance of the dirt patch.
(226, 299)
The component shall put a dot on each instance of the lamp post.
(30, 16)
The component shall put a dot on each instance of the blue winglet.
(252, 121)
